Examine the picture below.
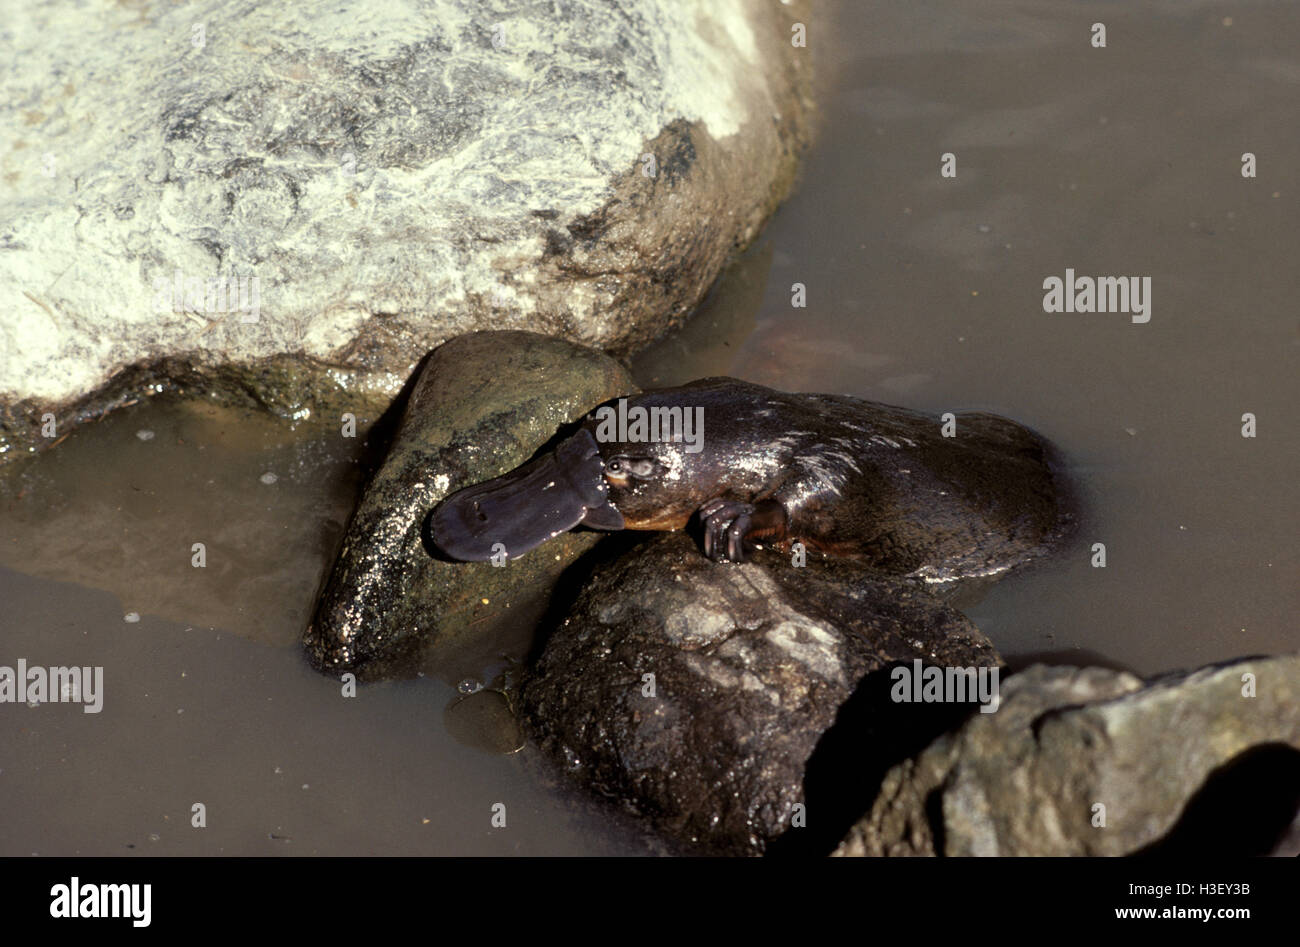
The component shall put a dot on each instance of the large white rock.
(380, 176)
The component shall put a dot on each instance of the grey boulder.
(1088, 761)
(211, 184)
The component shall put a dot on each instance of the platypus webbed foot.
(727, 524)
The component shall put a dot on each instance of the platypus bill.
(843, 476)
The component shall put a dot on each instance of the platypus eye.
(640, 467)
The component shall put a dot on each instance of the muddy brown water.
(921, 290)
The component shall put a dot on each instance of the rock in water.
(698, 694)
(1028, 780)
(199, 186)
(483, 404)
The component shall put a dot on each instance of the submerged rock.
(483, 404)
(197, 187)
(697, 693)
(1033, 778)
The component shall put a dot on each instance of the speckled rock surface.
(390, 175)
(484, 404)
(753, 664)
(1027, 779)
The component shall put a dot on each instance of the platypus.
(843, 476)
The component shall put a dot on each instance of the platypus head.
(524, 508)
(650, 483)
(592, 478)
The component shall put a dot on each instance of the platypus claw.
(725, 525)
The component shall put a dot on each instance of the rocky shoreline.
(760, 708)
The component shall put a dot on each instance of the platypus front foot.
(727, 523)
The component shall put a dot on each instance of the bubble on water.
(469, 686)
(268, 478)
(144, 435)
(131, 617)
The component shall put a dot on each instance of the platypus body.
(842, 476)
